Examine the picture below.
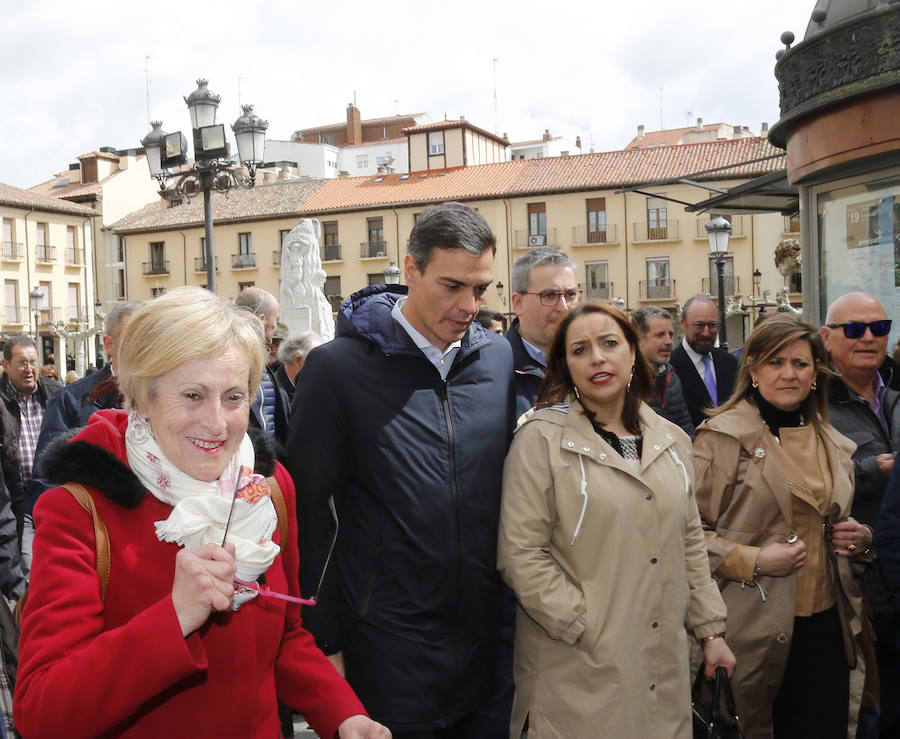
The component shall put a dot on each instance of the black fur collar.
(80, 461)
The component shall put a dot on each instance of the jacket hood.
(95, 456)
(366, 314)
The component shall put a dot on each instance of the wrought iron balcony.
(50, 314)
(74, 256)
(15, 315)
(45, 254)
(659, 232)
(11, 251)
(330, 252)
(599, 291)
(77, 313)
(732, 285)
(582, 237)
(200, 264)
(524, 239)
(243, 261)
(373, 249)
(156, 267)
(657, 289)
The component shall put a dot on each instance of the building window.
(244, 285)
(331, 245)
(596, 281)
(657, 222)
(659, 284)
(74, 301)
(537, 224)
(158, 256)
(596, 220)
(71, 237)
(375, 278)
(11, 302)
(245, 243)
(376, 230)
(8, 231)
(282, 235)
(328, 140)
(435, 143)
(41, 229)
(119, 287)
(120, 249)
(362, 162)
(332, 290)
(46, 300)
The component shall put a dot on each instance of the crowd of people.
(437, 527)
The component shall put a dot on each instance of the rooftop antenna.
(239, 89)
(147, 80)
(660, 108)
(496, 129)
(354, 99)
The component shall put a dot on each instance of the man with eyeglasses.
(544, 290)
(25, 395)
(864, 405)
(706, 372)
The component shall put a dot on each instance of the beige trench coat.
(608, 566)
(744, 499)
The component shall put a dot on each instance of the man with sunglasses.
(706, 372)
(544, 291)
(864, 405)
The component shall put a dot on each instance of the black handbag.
(710, 721)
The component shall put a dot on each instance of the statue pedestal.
(297, 318)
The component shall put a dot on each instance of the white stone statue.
(304, 306)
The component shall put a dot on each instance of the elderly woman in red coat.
(175, 646)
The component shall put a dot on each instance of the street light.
(213, 169)
(392, 274)
(35, 297)
(719, 230)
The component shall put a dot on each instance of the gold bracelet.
(711, 637)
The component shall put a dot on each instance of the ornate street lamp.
(719, 230)
(392, 274)
(35, 297)
(212, 170)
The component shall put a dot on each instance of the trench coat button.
(655, 624)
(602, 455)
(653, 560)
(668, 436)
(652, 686)
(759, 452)
(781, 638)
(648, 496)
(656, 447)
(587, 449)
(571, 444)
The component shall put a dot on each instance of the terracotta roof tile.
(669, 136)
(265, 201)
(364, 122)
(99, 155)
(18, 198)
(374, 143)
(523, 177)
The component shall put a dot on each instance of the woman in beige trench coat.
(774, 487)
(601, 541)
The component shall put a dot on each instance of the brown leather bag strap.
(101, 535)
(280, 509)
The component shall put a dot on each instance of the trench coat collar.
(579, 437)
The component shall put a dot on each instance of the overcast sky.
(74, 74)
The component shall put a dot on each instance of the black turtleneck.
(775, 418)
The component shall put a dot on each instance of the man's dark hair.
(450, 226)
(17, 340)
(486, 317)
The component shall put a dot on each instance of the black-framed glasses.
(263, 590)
(709, 325)
(549, 298)
(857, 329)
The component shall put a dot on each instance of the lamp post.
(719, 230)
(392, 274)
(212, 169)
(35, 297)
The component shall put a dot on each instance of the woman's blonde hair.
(183, 325)
(769, 338)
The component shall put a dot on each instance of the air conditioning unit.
(537, 240)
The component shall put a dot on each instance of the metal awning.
(770, 193)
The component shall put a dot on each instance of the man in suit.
(706, 372)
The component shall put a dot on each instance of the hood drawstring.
(687, 480)
(584, 504)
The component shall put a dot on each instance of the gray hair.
(298, 344)
(256, 300)
(640, 318)
(120, 310)
(543, 256)
(450, 226)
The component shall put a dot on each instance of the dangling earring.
(813, 386)
(755, 383)
(628, 385)
(575, 388)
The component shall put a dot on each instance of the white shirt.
(442, 360)
(697, 359)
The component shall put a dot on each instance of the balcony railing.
(599, 291)
(335, 301)
(15, 315)
(732, 285)
(276, 258)
(74, 256)
(582, 237)
(737, 228)
(156, 267)
(524, 239)
(11, 251)
(243, 261)
(372, 249)
(330, 252)
(200, 264)
(52, 314)
(77, 313)
(665, 232)
(657, 289)
(45, 254)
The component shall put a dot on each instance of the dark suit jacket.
(695, 393)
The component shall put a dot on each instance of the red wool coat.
(121, 667)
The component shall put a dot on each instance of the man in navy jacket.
(405, 418)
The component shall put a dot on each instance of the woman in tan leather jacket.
(774, 487)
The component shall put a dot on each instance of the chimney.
(578, 143)
(354, 125)
(699, 123)
(763, 129)
(462, 118)
(547, 136)
(736, 131)
(640, 131)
